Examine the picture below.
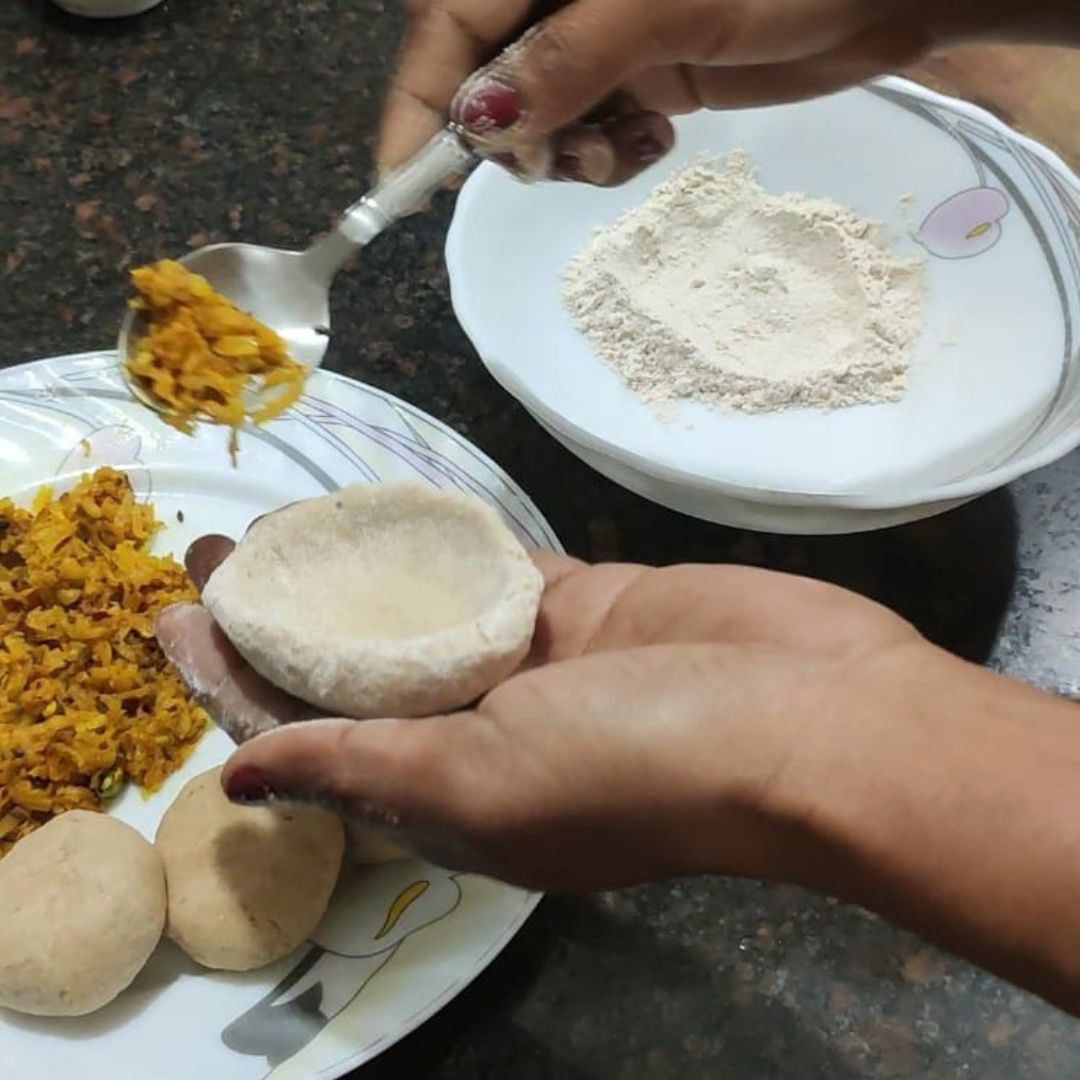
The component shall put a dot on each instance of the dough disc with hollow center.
(390, 600)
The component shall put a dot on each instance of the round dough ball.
(82, 907)
(247, 884)
(385, 600)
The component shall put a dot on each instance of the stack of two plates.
(993, 386)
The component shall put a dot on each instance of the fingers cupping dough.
(239, 701)
(612, 606)
(82, 907)
(555, 566)
(576, 607)
(374, 771)
(368, 845)
(246, 885)
(204, 556)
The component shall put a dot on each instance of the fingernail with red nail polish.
(568, 167)
(646, 148)
(247, 785)
(490, 106)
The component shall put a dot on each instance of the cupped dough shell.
(82, 907)
(247, 884)
(389, 600)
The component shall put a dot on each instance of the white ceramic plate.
(399, 941)
(993, 385)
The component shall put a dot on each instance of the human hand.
(709, 719)
(650, 733)
(586, 92)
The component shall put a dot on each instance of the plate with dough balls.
(825, 317)
(148, 926)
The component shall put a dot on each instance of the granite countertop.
(206, 121)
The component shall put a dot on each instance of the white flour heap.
(716, 291)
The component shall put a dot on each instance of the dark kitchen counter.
(206, 121)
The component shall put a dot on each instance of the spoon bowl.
(279, 288)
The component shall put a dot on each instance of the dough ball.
(247, 884)
(82, 907)
(388, 600)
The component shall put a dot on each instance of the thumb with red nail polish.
(389, 775)
(607, 769)
(490, 111)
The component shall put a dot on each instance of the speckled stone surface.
(210, 119)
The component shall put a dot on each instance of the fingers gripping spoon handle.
(403, 192)
(289, 291)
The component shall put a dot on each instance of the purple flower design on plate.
(965, 225)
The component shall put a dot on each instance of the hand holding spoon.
(289, 291)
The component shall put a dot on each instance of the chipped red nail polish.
(247, 785)
(490, 106)
(646, 148)
(568, 167)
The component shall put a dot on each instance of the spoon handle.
(410, 186)
(403, 192)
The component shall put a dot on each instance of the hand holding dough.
(390, 600)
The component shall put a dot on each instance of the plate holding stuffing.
(380, 600)
(400, 940)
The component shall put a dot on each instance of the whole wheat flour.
(717, 291)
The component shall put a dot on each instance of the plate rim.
(319, 373)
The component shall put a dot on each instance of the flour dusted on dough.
(380, 600)
(717, 291)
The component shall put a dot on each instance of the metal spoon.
(289, 291)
